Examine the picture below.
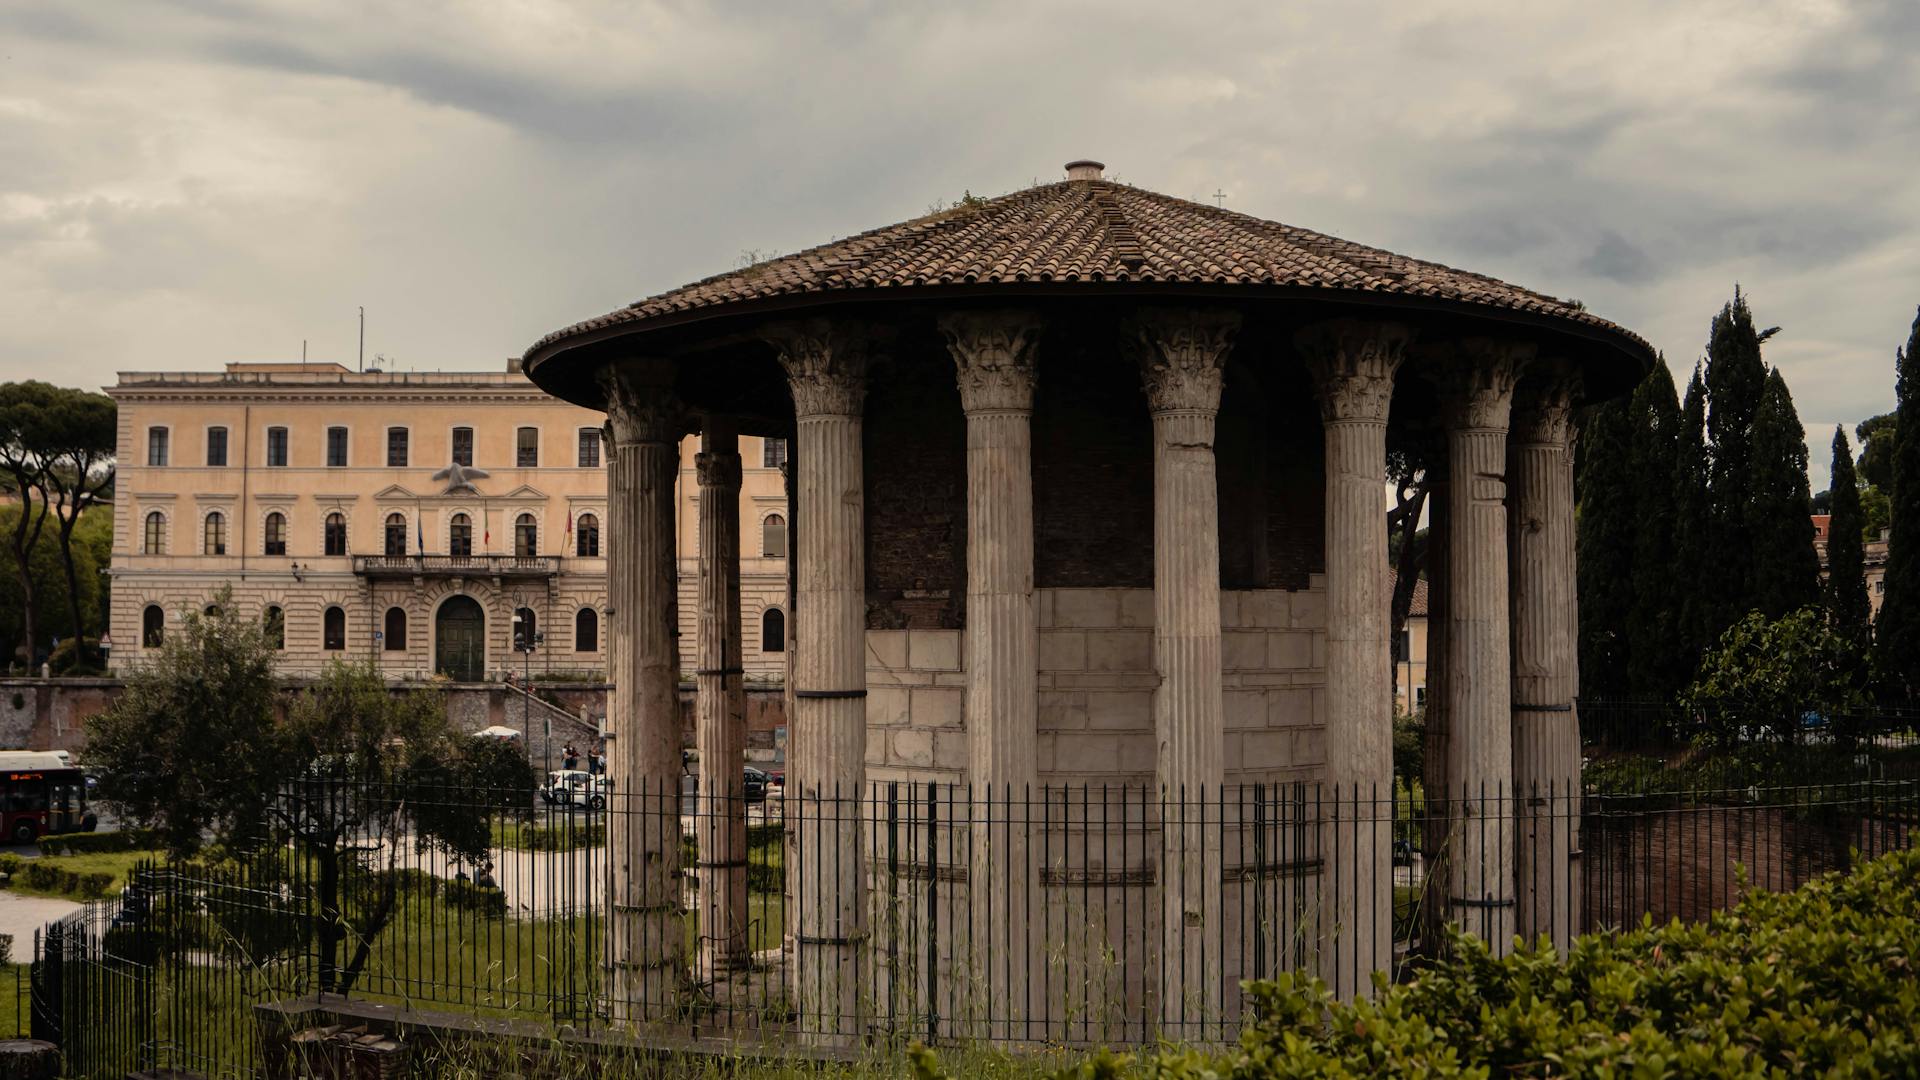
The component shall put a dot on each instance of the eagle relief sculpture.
(460, 478)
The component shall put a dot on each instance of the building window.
(773, 453)
(773, 630)
(587, 537)
(1880, 586)
(396, 535)
(212, 611)
(526, 537)
(277, 447)
(395, 638)
(336, 534)
(396, 448)
(336, 448)
(463, 446)
(217, 447)
(524, 631)
(1420, 697)
(276, 533)
(215, 534)
(155, 542)
(586, 631)
(156, 446)
(773, 537)
(274, 624)
(333, 629)
(526, 448)
(589, 448)
(460, 536)
(153, 623)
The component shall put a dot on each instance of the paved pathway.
(22, 915)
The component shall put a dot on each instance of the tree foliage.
(1736, 383)
(1876, 435)
(1767, 678)
(1846, 587)
(1897, 631)
(206, 745)
(1604, 540)
(1785, 571)
(56, 450)
(1653, 622)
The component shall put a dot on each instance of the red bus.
(40, 794)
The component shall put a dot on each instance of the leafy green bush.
(46, 878)
(1818, 982)
(98, 842)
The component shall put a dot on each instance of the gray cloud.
(190, 183)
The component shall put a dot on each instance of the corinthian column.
(1477, 396)
(993, 353)
(720, 710)
(1546, 729)
(646, 952)
(1182, 356)
(826, 364)
(1353, 363)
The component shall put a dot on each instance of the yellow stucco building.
(424, 520)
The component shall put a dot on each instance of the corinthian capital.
(1353, 363)
(826, 361)
(1477, 382)
(1543, 405)
(993, 356)
(640, 402)
(1182, 354)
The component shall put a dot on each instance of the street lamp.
(524, 643)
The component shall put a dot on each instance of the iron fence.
(1083, 915)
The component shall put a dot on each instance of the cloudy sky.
(185, 184)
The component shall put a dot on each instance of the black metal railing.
(1076, 915)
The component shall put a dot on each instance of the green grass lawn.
(81, 878)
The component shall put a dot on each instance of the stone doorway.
(460, 640)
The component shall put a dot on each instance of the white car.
(568, 786)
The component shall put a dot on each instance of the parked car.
(756, 785)
(566, 787)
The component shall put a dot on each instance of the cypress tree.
(1785, 575)
(1736, 379)
(1693, 534)
(1847, 605)
(1604, 542)
(1897, 632)
(1654, 655)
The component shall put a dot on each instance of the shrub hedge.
(96, 843)
(1817, 982)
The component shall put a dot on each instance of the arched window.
(396, 534)
(153, 624)
(526, 537)
(155, 542)
(773, 537)
(276, 533)
(336, 534)
(586, 631)
(586, 533)
(333, 629)
(395, 637)
(773, 630)
(525, 633)
(216, 533)
(212, 611)
(275, 623)
(460, 536)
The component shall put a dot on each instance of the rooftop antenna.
(303, 350)
(363, 337)
(1219, 197)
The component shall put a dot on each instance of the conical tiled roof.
(1078, 232)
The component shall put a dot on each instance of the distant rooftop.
(298, 373)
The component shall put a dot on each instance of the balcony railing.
(456, 565)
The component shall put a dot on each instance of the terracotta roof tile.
(1088, 231)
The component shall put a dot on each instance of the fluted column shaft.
(993, 355)
(1546, 729)
(1182, 357)
(720, 707)
(1477, 399)
(826, 365)
(1353, 364)
(647, 943)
